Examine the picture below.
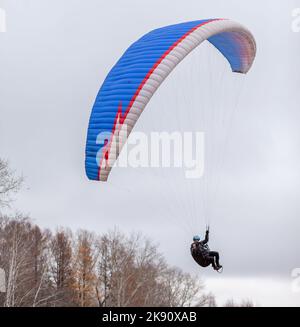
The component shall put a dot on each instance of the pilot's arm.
(206, 237)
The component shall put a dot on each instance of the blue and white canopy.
(133, 80)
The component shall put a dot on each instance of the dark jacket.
(200, 250)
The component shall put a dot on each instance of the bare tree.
(244, 303)
(247, 304)
(131, 272)
(61, 266)
(115, 258)
(9, 183)
(23, 249)
(124, 269)
(207, 300)
(182, 289)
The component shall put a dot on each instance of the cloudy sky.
(53, 58)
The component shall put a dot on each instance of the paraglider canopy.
(133, 80)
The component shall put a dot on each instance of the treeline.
(85, 269)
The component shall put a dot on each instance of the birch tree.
(23, 249)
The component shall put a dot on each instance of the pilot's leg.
(211, 260)
(216, 257)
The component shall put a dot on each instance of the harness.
(199, 252)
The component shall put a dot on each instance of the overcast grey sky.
(53, 59)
